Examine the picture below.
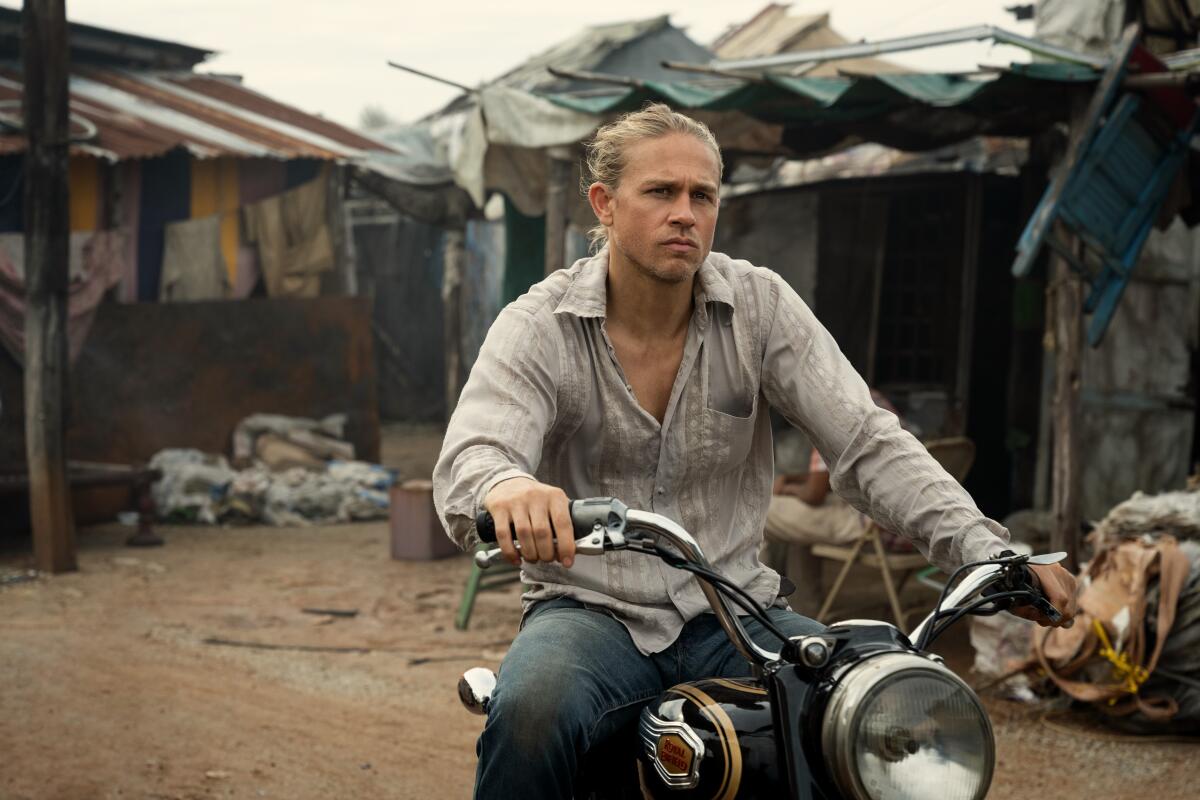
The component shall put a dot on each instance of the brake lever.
(593, 544)
(1018, 577)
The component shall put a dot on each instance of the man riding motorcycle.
(644, 372)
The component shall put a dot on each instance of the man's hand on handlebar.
(1058, 586)
(540, 515)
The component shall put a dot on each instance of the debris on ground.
(282, 442)
(1174, 513)
(23, 576)
(1134, 651)
(285, 471)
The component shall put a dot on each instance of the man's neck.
(643, 305)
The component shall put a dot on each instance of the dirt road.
(115, 684)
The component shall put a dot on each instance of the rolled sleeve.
(878, 467)
(503, 414)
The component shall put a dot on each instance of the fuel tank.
(710, 739)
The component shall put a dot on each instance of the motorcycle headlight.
(901, 726)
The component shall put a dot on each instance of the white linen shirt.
(547, 399)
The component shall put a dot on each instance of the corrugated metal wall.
(1138, 386)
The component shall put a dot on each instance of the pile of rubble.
(286, 471)
(1134, 650)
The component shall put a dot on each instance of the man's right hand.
(541, 516)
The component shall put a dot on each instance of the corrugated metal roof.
(141, 114)
(586, 50)
(773, 31)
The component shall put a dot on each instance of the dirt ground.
(194, 671)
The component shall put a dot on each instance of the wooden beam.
(454, 266)
(558, 177)
(344, 277)
(47, 227)
(873, 216)
(972, 232)
(1068, 361)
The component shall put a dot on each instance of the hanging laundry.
(13, 247)
(292, 234)
(263, 225)
(248, 272)
(193, 267)
(101, 258)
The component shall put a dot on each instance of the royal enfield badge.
(674, 755)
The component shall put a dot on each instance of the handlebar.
(1004, 578)
(604, 523)
(608, 524)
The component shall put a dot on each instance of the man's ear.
(602, 201)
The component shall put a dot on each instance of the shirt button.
(660, 490)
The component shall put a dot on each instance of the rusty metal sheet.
(147, 114)
(240, 96)
(156, 375)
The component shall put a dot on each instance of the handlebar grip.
(585, 514)
(1024, 579)
(485, 526)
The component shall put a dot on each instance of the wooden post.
(972, 233)
(454, 265)
(47, 226)
(1068, 361)
(558, 175)
(341, 236)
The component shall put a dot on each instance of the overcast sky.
(329, 56)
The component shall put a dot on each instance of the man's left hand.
(1058, 586)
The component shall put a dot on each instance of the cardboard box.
(417, 534)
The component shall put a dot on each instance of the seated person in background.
(803, 512)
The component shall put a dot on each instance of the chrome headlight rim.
(847, 704)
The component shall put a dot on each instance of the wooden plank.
(343, 277)
(879, 260)
(47, 221)
(972, 229)
(454, 265)
(558, 177)
(1068, 350)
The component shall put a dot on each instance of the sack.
(1105, 657)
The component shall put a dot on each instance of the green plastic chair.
(501, 574)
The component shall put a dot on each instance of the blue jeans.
(573, 676)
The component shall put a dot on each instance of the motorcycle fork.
(791, 692)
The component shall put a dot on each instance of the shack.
(911, 271)
(212, 276)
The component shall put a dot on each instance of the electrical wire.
(727, 587)
(933, 631)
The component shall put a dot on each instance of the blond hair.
(607, 149)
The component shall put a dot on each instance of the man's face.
(664, 212)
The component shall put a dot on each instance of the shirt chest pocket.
(729, 408)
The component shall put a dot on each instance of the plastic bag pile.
(290, 475)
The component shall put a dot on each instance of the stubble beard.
(670, 277)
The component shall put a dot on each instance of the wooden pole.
(47, 226)
(558, 175)
(339, 231)
(1068, 361)
(972, 232)
(454, 265)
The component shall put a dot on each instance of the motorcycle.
(860, 710)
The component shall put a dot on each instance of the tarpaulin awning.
(496, 144)
(791, 101)
(910, 110)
